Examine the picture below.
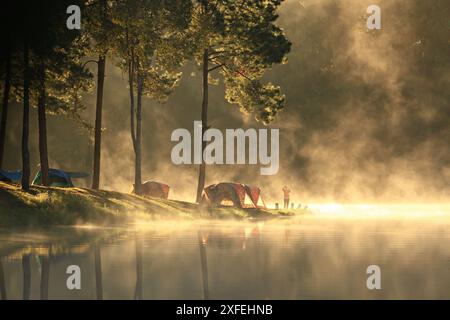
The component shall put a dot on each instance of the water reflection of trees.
(45, 274)
(48, 253)
(98, 273)
(204, 264)
(230, 238)
(26, 267)
(2, 282)
(48, 247)
(138, 289)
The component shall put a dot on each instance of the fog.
(311, 257)
(366, 118)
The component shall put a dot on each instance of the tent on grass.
(10, 176)
(59, 178)
(154, 189)
(234, 195)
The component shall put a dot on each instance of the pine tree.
(239, 40)
(152, 43)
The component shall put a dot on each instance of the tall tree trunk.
(26, 119)
(43, 151)
(202, 168)
(6, 89)
(132, 109)
(26, 269)
(98, 122)
(138, 158)
(131, 74)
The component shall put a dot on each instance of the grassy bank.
(69, 206)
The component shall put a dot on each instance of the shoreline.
(47, 206)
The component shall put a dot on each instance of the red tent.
(233, 194)
(154, 189)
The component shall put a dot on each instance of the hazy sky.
(366, 119)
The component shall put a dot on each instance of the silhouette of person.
(286, 192)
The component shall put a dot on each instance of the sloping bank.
(70, 206)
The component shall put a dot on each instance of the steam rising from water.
(320, 256)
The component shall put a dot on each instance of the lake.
(324, 255)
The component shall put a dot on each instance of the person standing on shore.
(286, 192)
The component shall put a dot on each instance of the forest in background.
(45, 63)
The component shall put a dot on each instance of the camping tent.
(154, 189)
(233, 194)
(59, 178)
(10, 176)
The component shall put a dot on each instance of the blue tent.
(10, 176)
(59, 178)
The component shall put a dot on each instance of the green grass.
(70, 206)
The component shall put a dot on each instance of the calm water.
(323, 256)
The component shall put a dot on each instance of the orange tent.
(233, 194)
(154, 189)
